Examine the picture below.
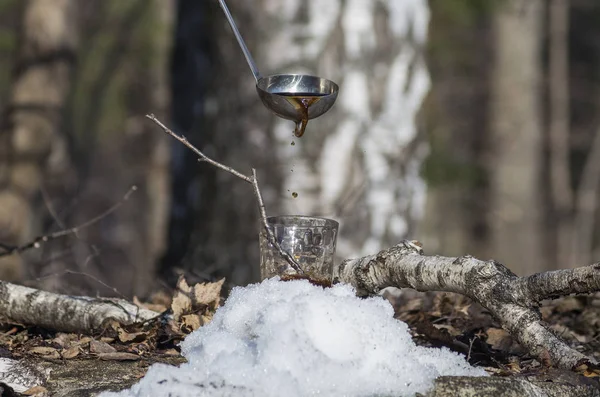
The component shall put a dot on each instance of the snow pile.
(295, 339)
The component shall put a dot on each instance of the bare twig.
(253, 180)
(193, 148)
(38, 241)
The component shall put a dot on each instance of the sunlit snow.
(295, 339)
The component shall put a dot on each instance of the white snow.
(295, 339)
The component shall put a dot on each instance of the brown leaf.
(64, 340)
(451, 330)
(499, 339)
(588, 370)
(70, 353)
(206, 318)
(208, 294)
(128, 337)
(36, 391)
(181, 304)
(100, 347)
(182, 285)
(190, 322)
(118, 356)
(47, 352)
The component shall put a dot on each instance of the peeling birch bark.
(512, 300)
(66, 313)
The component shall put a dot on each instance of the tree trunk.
(33, 146)
(559, 127)
(359, 163)
(516, 136)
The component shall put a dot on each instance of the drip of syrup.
(301, 102)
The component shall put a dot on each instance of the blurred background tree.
(469, 124)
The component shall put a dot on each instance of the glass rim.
(276, 220)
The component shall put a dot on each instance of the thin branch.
(253, 180)
(38, 241)
(193, 148)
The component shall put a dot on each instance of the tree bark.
(516, 137)
(33, 147)
(512, 300)
(78, 314)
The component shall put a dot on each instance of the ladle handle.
(240, 40)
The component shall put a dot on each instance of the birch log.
(512, 300)
(79, 314)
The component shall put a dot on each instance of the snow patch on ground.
(295, 339)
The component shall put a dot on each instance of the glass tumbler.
(309, 240)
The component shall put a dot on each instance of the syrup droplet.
(293, 143)
(294, 195)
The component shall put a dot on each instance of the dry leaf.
(208, 294)
(589, 371)
(464, 309)
(118, 356)
(182, 285)
(70, 353)
(499, 339)
(181, 304)
(451, 330)
(189, 300)
(128, 337)
(47, 352)
(107, 339)
(191, 322)
(206, 318)
(64, 340)
(36, 391)
(101, 347)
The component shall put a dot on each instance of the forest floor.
(435, 319)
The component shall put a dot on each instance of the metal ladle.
(296, 97)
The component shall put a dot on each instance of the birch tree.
(516, 136)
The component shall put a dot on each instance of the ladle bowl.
(275, 92)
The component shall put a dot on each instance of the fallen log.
(78, 314)
(514, 301)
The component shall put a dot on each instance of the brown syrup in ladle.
(301, 101)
